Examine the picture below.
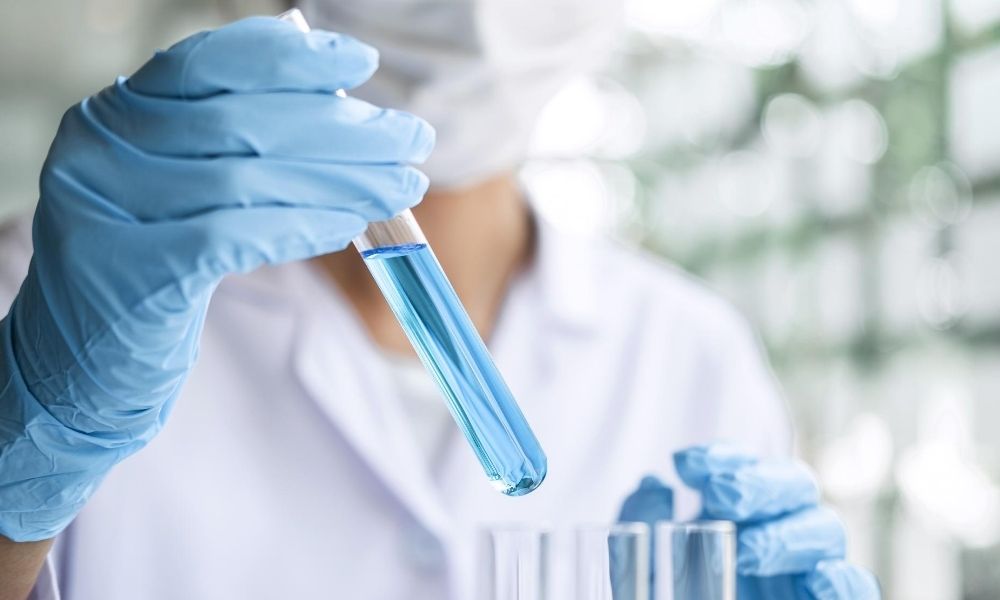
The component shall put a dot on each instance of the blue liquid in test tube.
(446, 341)
(421, 297)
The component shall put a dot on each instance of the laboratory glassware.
(611, 562)
(695, 560)
(437, 325)
(514, 562)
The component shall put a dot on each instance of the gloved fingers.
(149, 188)
(292, 125)
(372, 192)
(739, 488)
(791, 544)
(694, 465)
(240, 240)
(839, 580)
(258, 54)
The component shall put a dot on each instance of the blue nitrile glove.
(221, 154)
(789, 547)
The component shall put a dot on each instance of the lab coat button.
(423, 549)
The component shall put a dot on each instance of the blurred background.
(831, 166)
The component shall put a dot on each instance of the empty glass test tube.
(424, 302)
(612, 562)
(695, 561)
(514, 562)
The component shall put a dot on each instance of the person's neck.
(483, 236)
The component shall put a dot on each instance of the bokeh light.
(590, 117)
(574, 195)
(859, 131)
(792, 125)
(941, 193)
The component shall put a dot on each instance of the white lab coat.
(287, 469)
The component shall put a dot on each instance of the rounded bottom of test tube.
(525, 486)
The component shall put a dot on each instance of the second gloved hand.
(789, 547)
(223, 153)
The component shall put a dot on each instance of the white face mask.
(479, 71)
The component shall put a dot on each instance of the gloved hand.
(789, 547)
(223, 153)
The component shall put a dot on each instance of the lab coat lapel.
(340, 369)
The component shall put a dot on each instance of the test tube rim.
(698, 526)
(517, 527)
(614, 529)
(295, 16)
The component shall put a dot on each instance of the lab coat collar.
(349, 382)
(340, 370)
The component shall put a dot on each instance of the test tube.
(424, 302)
(612, 562)
(514, 562)
(695, 561)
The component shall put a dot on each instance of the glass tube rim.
(719, 526)
(613, 529)
(516, 527)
